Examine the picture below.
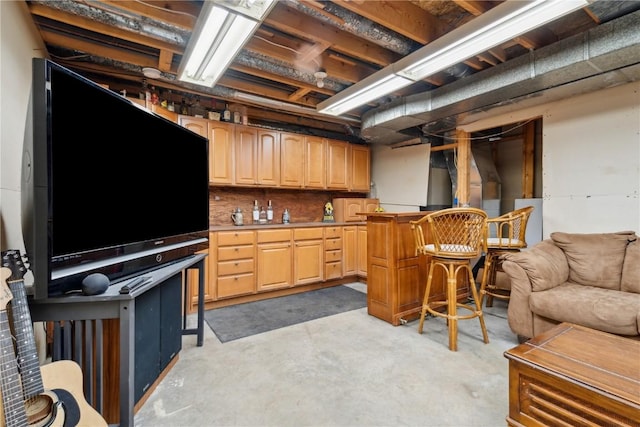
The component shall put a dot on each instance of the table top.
(593, 358)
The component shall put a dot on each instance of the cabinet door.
(362, 250)
(315, 163)
(221, 156)
(192, 277)
(370, 205)
(195, 124)
(353, 208)
(268, 158)
(349, 250)
(337, 165)
(360, 168)
(274, 265)
(169, 115)
(308, 261)
(246, 150)
(291, 160)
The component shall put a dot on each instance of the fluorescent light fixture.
(219, 34)
(506, 21)
(373, 87)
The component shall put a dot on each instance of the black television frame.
(63, 273)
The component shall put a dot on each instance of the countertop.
(232, 227)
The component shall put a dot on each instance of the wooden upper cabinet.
(221, 156)
(315, 155)
(360, 168)
(169, 115)
(291, 160)
(246, 151)
(337, 165)
(246, 156)
(221, 137)
(195, 124)
(268, 173)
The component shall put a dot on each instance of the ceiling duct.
(602, 57)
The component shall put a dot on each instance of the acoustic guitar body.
(66, 375)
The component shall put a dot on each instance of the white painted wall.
(19, 43)
(590, 159)
(401, 176)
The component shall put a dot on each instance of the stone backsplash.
(303, 205)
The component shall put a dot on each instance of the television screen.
(107, 185)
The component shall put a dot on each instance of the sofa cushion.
(544, 263)
(594, 259)
(607, 310)
(630, 281)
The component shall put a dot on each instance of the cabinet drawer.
(307, 233)
(332, 244)
(233, 238)
(235, 252)
(236, 285)
(333, 270)
(235, 267)
(266, 236)
(332, 232)
(333, 256)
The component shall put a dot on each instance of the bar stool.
(458, 236)
(505, 233)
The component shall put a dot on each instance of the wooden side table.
(572, 375)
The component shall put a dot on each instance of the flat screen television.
(107, 186)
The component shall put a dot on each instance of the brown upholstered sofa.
(588, 279)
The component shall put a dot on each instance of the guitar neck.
(12, 403)
(26, 344)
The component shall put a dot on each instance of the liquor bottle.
(171, 105)
(184, 108)
(256, 212)
(270, 212)
(226, 115)
(263, 216)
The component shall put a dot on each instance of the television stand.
(146, 326)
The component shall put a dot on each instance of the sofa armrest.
(543, 266)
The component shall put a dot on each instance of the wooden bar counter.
(396, 277)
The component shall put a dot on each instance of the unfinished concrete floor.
(350, 369)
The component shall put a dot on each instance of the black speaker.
(95, 284)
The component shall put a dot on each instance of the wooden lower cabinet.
(349, 250)
(361, 252)
(234, 263)
(274, 259)
(354, 250)
(333, 252)
(308, 255)
(244, 263)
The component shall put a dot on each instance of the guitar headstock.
(13, 261)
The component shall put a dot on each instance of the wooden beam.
(281, 79)
(88, 47)
(463, 166)
(291, 21)
(98, 27)
(402, 17)
(333, 67)
(445, 147)
(528, 155)
(182, 14)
